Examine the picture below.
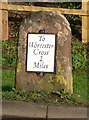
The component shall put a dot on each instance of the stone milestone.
(61, 78)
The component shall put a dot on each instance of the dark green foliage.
(71, 5)
(79, 55)
(9, 53)
(76, 26)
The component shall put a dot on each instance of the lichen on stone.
(60, 74)
(71, 84)
(19, 67)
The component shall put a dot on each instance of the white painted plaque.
(41, 52)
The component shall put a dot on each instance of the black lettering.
(40, 65)
(41, 38)
(36, 51)
(30, 44)
(36, 65)
(41, 58)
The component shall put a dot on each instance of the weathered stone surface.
(62, 79)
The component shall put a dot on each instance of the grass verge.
(79, 96)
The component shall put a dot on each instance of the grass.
(79, 96)
(80, 86)
(8, 80)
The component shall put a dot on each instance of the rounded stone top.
(50, 21)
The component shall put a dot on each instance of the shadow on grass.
(6, 88)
